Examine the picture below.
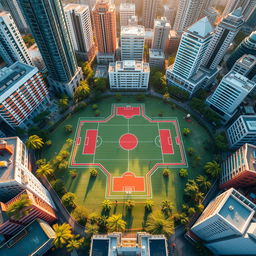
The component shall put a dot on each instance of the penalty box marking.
(90, 142)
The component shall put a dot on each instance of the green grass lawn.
(91, 191)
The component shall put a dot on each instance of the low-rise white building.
(156, 58)
(242, 131)
(132, 42)
(229, 94)
(129, 74)
(15, 175)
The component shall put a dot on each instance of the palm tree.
(34, 142)
(183, 172)
(68, 128)
(167, 207)
(106, 204)
(213, 169)
(94, 173)
(198, 197)
(158, 224)
(76, 243)
(129, 205)
(45, 170)
(191, 188)
(82, 91)
(73, 173)
(68, 199)
(91, 229)
(203, 183)
(186, 131)
(149, 205)
(166, 172)
(63, 103)
(62, 234)
(182, 218)
(20, 207)
(116, 223)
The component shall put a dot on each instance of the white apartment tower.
(224, 35)
(227, 226)
(169, 13)
(129, 75)
(162, 29)
(229, 94)
(188, 12)
(127, 10)
(149, 12)
(242, 131)
(80, 29)
(192, 48)
(15, 174)
(12, 46)
(132, 42)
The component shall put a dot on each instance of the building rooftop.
(9, 76)
(129, 65)
(201, 28)
(247, 60)
(30, 239)
(250, 122)
(132, 31)
(7, 158)
(163, 22)
(77, 7)
(156, 53)
(3, 13)
(101, 71)
(127, 7)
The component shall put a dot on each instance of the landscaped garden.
(131, 156)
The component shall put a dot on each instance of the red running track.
(166, 141)
(128, 112)
(90, 142)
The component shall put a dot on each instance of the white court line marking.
(160, 142)
(93, 159)
(128, 168)
(117, 159)
(130, 124)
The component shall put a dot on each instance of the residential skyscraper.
(169, 13)
(188, 12)
(80, 29)
(247, 46)
(129, 75)
(15, 174)
(132, 42)
(23, 94)
(12, 6)
(211, 14)
(12, 46)
(248, 7)
(126, 10)
(225, 33)
(104, 20)
(162, 29)
(194, 43)
(229, 94)
(47, 23)
(239, 169)
(227, 226)
(149, 12)
(242, 131)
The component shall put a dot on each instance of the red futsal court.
(128, 112)
(90, 142)
(166, 141)
(128, 141)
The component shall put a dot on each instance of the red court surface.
(128, 182)
(128, 141)
(166, 141)
(90, 142)
(128, 112)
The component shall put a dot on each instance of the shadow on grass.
(128, 218)
(166, 183)
(89, 186)
(145, 218)
(105, 213)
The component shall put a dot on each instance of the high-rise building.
(169, 13)
(227, 226)
(246, 66)
(211, 14)
(156, 58)
(132, 42)
(38, 209)
(243, 130)
(133, 21)
(248, 7)
(129, 74)
(80, 29)
(126, 10)
(15, 174)
(90, 3)
(229, 94)
(104, 20)
(12, 6)
(23, 94)
(239, 169)
(185, 73)
(149, 12)
(47, 23)
(188, 12)
(161, 33)
(12, 46)
(224, 34)
(247, 46)
(173, 42)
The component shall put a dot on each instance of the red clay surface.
(90, 142)
(128, 112)
(128, 182)
(128, 141)
(166, 141)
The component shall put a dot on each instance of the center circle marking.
(128, 141)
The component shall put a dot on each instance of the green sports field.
(130, 144)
